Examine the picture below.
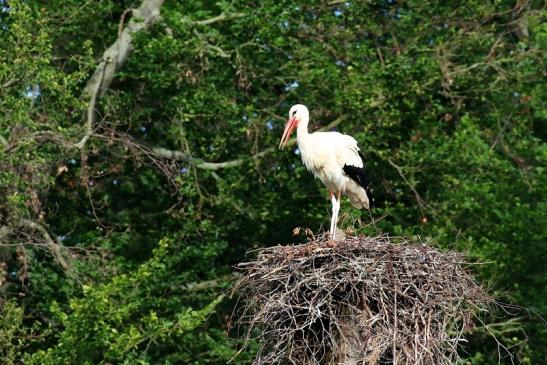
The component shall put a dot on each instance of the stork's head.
(297, 114)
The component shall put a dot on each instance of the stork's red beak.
(291, 124)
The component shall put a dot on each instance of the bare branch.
(205, 285)
(201, 164)
(91, 113)
(9, 83)
(499, 136)
(115, 56)
(53, 245)
(4, 231)
(336, 2)
(217, 18)
(419, 199)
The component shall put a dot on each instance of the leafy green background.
(445, 98)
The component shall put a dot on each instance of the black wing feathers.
(358, 175)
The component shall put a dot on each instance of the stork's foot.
(337, 237)
(331, 243)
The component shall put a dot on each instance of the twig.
(499, 136)
(370, 300)
(419, 199)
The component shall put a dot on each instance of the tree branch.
(421, 202)
(9, 83)
(205, 165)
(205, 285)
(4, 231)
(90, 121)
(53, 245)
(115, 56)
(217, 18)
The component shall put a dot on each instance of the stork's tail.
(358, 190)
(358, 197)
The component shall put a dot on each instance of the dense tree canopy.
(138, 159)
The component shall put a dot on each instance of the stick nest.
(361, 301)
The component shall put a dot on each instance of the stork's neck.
(302, 131)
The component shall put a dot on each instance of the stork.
(332, 157)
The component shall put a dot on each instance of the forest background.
(139, 161)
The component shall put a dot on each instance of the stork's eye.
(294, 113)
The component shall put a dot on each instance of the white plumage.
(333, 158)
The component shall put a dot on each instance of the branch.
(115, 56)
(419, 199)
(205, 165)
(53, 245)
(205, 285)
(499, 137)
(9, 83)
(217, 18)
(4, 232)
(91, 112)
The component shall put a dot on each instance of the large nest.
(361, 301)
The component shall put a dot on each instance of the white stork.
(332, 157)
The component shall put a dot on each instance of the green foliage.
(135, 249)
(14, 335)
(118, 321)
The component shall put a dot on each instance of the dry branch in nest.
(361, 301)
